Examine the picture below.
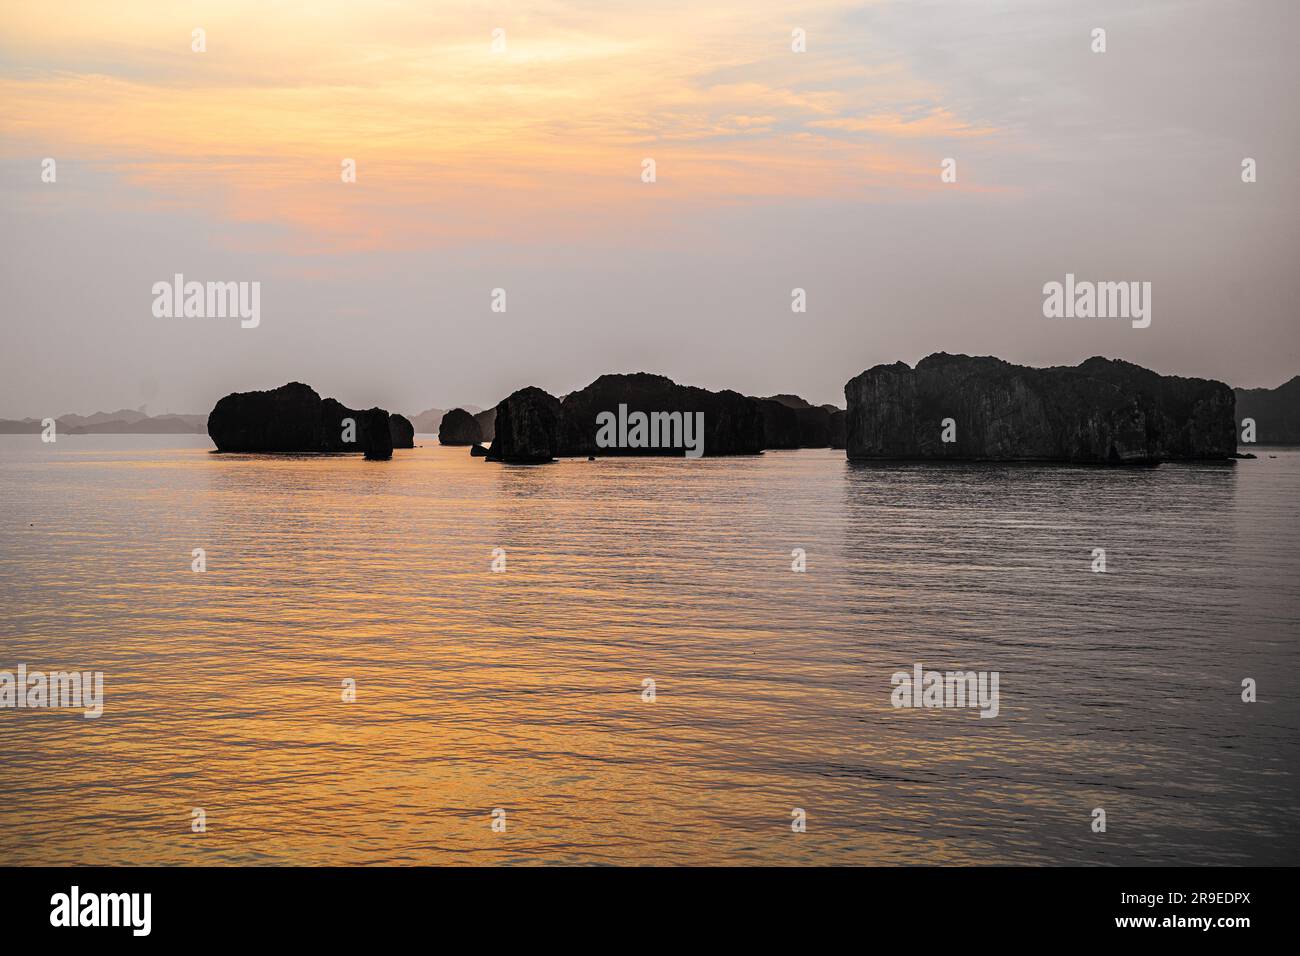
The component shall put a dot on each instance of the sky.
(518, 165)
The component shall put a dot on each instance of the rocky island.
(295, 419)
(459, 427)
(534, 426)
(402, 431)
(1102, 411)
(733, 424)
(527, 428)
(791, 422)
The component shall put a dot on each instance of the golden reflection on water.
(522, 689)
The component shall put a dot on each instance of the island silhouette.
(948, 408)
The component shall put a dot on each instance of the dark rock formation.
(780, 424)
(401, 430)
(527, 427)
(294, 418)
(459, 428)
(805, 425)
(1276, 412)
(838, 427)
(478, 451)
(377, 443)
(814, 427)
(487, 422)
(1101, 411)
(733, 424)
(1194, 417)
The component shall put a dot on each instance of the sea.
(437, 660)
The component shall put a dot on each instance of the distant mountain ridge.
(1275, 411)
(126, 421)
(122, 422)
(428, 421)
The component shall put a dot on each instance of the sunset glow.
(454, 139)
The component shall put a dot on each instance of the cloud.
(449, 137)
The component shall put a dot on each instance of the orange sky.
(454, 139)
(521, 168)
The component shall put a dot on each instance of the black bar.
(649, 907)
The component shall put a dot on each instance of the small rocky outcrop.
(487, 423)
(527, 427)
(377, 444)
(401, 431)
(295, 419)
(478, 451)
(733, 424)
(1101, 411)
(459, 428)
(1275, 411)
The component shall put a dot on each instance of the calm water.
(522, 689)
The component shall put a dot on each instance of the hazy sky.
(521, 169)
